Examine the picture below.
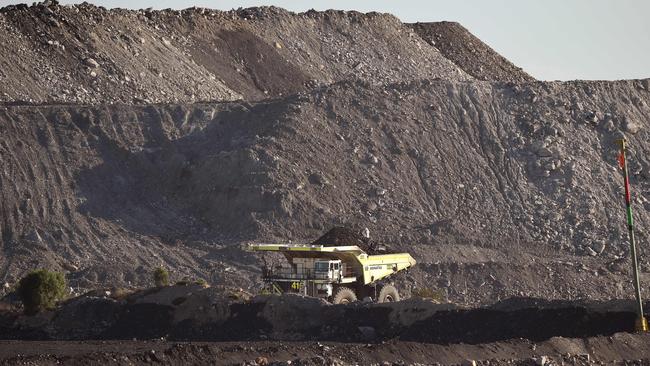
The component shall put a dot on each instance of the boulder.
(84, 318)
(541, 360)
(631, 126)
(209, 305)
(367, 333)
(167, 295)
(90, 62)
(599, 246)
(406, 312)
(293, 316)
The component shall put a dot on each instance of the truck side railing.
(304, 274)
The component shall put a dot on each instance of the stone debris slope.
(86, 54)
(426, 166)
(468, 52)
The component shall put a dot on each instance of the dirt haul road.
(617, 349)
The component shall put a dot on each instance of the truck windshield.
(321, 266)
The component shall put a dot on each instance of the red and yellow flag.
(621, 160)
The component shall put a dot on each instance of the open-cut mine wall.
(109, 191)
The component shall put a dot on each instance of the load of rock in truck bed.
(341, 236)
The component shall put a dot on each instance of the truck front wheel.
(388, 293)
(344, 295)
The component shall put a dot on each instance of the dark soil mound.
(207, 315)
(476, 58)
(340, 236)
(486, 325)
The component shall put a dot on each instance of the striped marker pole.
(641, 324)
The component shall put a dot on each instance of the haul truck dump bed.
(338, 273)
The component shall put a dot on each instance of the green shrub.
(427, 293)
(41, 289)
(160, 277)
(201, 282)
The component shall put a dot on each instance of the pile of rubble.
(470, 53)
(85, 54)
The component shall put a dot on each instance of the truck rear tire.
(388, 293)
(344, 295)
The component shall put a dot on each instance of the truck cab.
(328, 270)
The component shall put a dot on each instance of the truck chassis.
(340, 274)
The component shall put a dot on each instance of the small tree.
(41, 289)
(160, 277)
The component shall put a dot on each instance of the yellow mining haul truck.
(340, 274)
